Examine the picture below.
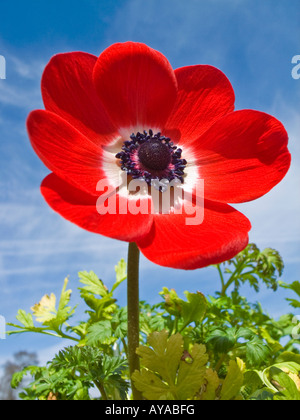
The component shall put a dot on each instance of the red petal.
(173, 243)
(204, 95)
(136, 84)
(80, 208)
(68, 90)
(65, 151)
(242, 156)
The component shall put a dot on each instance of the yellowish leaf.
(170, 372)
(241, 364)
(211, 385)
(233, 382)
(45, 310)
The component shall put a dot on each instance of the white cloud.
(21, 89)
(30, 70)
(18, 96)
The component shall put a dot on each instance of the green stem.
(67, 337)
(100, 386)
(235, 274)
(133, 313)
(221, 277)
(175, 326)
(220, 362)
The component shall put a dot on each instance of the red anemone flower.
(128, 112)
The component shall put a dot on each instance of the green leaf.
(252, 383)
(263, 394)
(294, 303)
(222, 339)
(101, 308)
(119, 323)
(194, 309)
(18, 376)
(292, 369)
(295, 286)
(232, 383)
(121, 274)
(252, 265)
(288, 356)
(153, 321)
(92, 283)
(99, 333)
(74, 371)
(173, 304)
(104, 305)
(168, 371)
(257, 352)
(25, 319)
(285, 385)
(64, 312)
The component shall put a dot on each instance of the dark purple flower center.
(152, 157)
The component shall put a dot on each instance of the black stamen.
(152, 157)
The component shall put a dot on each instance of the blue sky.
(251, 41)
